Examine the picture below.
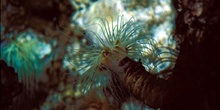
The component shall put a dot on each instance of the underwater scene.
(110, 55)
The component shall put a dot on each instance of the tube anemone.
(125, 35)
(112, 42)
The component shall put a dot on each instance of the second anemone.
(23, 51)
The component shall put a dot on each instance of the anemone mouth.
(112, 57)
(105, 52)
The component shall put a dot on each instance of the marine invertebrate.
(24, 52)
(157, 18)
(116, 54)
(88, 58)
